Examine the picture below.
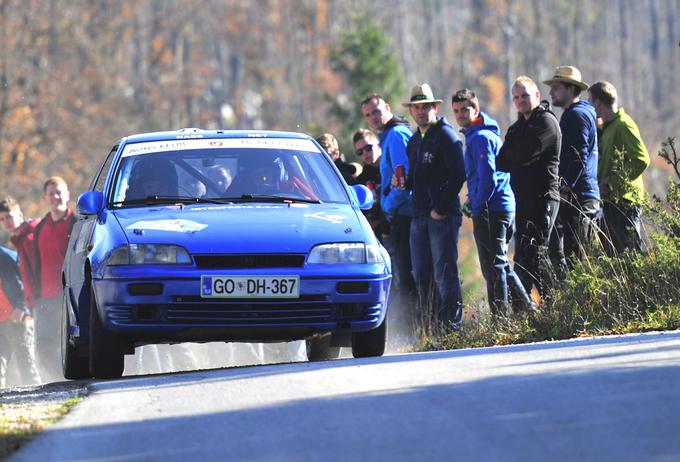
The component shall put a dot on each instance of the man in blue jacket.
(491, 202)
(394, 134)
(436, 175)
(579, 191)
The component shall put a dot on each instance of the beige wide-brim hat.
(568, 74)
(421, 94)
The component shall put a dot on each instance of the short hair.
(370, 97)
(466, 95)
(524, 81)
(328, 142)
(603, 91)
(54, 180)
(9, 204)
(363, 134)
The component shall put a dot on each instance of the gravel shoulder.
(26, 411)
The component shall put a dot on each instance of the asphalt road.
(613, 398)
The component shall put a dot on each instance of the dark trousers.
(17, 342)
(573, 232)
(493, 231)
(402, 303)
(621, 228)
(400, 229)
(434, 254)
(534, 222)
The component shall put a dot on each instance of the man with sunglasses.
(394, 134)
(369, 152)
(436, 176)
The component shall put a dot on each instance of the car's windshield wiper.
(268, 198)
(152, 200)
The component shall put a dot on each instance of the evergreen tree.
(368, 65)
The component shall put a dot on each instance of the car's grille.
(250, 261)
(208, 312)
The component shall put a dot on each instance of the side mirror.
(363, 195)
(90, 203)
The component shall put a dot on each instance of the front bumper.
(171, 309)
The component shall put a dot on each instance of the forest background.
(76, 76)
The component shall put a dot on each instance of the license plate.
(250, 286)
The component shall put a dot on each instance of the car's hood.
(237, 228)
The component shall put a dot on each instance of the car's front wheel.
(73, 365)
(369, 343)
(319, 349)
(106, 352)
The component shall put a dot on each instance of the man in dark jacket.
(580, 194)
(330, 144)
(436, 175)
(368, 150)
(531, 153)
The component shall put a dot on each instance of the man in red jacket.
(51, 236)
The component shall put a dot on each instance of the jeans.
(573, 232)
(493, 231)
(434, 251)
(534, 221)
(621, 225)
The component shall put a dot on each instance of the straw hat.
(420, 94)
(567, 74)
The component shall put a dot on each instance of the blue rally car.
(233, 236)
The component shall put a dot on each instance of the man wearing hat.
(580, 194)
(436, 175)
(531, 153)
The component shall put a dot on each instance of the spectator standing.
(52, 235)
(580, 195)
(622, 190)
(436, 176)
(531, 154)
(394, 135)
(330, 144)
(22, 236)
(368, 150)
(491, 203)
(16, 334)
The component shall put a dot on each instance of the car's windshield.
(225, 170)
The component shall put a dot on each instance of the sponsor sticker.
(291, 144)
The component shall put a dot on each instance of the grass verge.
(26, 412)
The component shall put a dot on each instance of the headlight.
(352, 252)
(149, 254)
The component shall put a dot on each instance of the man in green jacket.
(623, 159)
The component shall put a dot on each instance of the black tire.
(320, 349)
(106, 353)
(370, 343)
(73, 365)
